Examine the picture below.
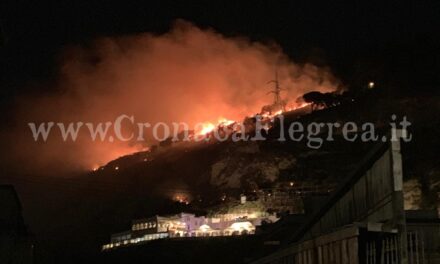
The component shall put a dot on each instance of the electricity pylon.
(278, 102)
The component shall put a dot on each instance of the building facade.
(189, 225)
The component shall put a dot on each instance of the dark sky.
(394, 43)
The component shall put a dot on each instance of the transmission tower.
(278, 102)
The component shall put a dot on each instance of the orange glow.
(277, 113)
(116, 151)
(194, 75)
(225, 122)
(207, 128)
(301, 105)
(181, 198)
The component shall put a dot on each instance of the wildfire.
(301, 105)
(271, 115)
(222, 125)
(181, 199)
(97, 167)
(225, 122)
(209, 127)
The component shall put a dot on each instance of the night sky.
(398, 40)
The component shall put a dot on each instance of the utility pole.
(277, 93)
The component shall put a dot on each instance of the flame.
(225, 122)
(188, 78)
(301, 105)
(207, 128)
(279, 112)
(181, 198)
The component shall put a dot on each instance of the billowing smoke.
(186, 75)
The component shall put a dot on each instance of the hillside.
(194, 177)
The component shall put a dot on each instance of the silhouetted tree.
(318, 99)
(315, 98)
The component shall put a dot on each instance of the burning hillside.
(187, 75)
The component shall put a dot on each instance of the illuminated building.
(238, 222)
(175, 225)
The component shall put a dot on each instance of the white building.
(190, 225)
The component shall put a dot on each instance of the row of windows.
(121, 238)
(135, 240)
(141, 226)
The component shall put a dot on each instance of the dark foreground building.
(364, 222)
(15, 242)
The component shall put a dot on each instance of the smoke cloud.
(186, 75)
